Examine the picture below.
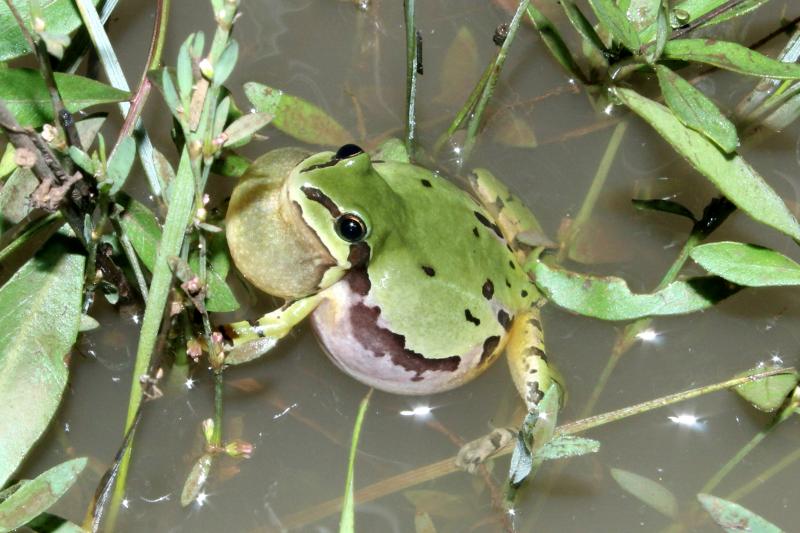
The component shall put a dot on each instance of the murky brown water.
(298, 409)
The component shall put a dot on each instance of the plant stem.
(412, 69)
(447, 466)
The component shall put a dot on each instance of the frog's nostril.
(347, 151)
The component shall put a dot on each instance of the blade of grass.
(412, 69)
(347, 520)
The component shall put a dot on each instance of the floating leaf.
(747, 264)
(615, 21)
(196, 479)
(732, 175)
(565, 446)
(36, 496)
(459, 68)
(296, 117)
(347, 519)
(40, 310)
(734, 518)
(609, 298)
(60, 16)
(665, 206)
(769, 393)
(695, 110)
(730, 56)
(554, 42)
(119, 166)
(510, 129)
(649, 492)
(244, 127)
(25, 93)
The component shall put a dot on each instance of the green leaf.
(83, 160)
(15, 197)
(769, 393)
(7, 162)
(615, 21)
(142, 228)
(60, 17)
(230, 164)
(697, 8)
(730, 56)
(609, 298)
(183, 71)
(643, 14)
(565, 446)
(734, 518)
(36, 496)
(48, 523)
(244, 127)
(649, 492)
(695, 110)
(555, 43)
(196, 479)
(26, 95)
(583, 26)
(119, 166)
(655, 48)
(347, 519)
(226, 63)
(665, 206)
(89, 127)
(40, 310)
(296, 117)
(536, 432)
(747, 264)
(732, 175)
(220, 298)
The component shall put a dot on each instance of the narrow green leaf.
(769, 393)
(171, 95)
(119, 166)
(245, 127)
(734, 518)
(226, 63)
(554, 42)
(347, 519)
(615, 21)
(142, 228)
(83, 160)
(747, 264)
(609, 298)
(60, 17)
(7, 162)
(730, 56)
(732, 175)
(583, 26)
(40, 310)
(696, 8)
(565, 446)
(48, 523)
(220, 298)
(296, 117)
(26, 95)
(38, 495)
(196, 479)
(651, 493)
(665, 206)
(655, 48)
(183, 71)
(696, 111)
(642, 15)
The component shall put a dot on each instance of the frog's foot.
(250, 340)
(476, 452)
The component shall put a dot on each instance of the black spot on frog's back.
(488, 223)
(429, 270)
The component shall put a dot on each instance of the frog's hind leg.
(532, 376)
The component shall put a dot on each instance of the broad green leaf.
(747, 264)
(230, 164)
(119, 166)
(244, 127)
(615, 21)
(665, 206)
(7, 163)
(26, 95)
(84, 160)
(220, 298)
(734, 518)
(15, 197)
(297, 117)
(565, 446)
(649, 492)
(642, 15)
(609, 298)
(196, 479)
(142, 228)
(732, 175)
(730, 56)
(36, 496)
(769, 393)
(695, 110)
(40, 311)
(552, 39)
(347, 518)
(697, 8)
(60, 17)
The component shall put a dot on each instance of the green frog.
(412, 285)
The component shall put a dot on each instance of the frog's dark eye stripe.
(347, 151)
(318, 196)
(351, 228)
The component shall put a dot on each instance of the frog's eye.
(351, 228)
(347, 151)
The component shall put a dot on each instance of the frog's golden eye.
(351, 228)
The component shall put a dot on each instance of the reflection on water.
(298, 410)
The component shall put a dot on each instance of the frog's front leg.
(252, 339)
(532, 376)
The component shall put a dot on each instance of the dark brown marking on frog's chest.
(381, 341)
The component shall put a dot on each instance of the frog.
(412, 285)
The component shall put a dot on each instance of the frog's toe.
(476, 452)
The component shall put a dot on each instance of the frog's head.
(297, 223)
